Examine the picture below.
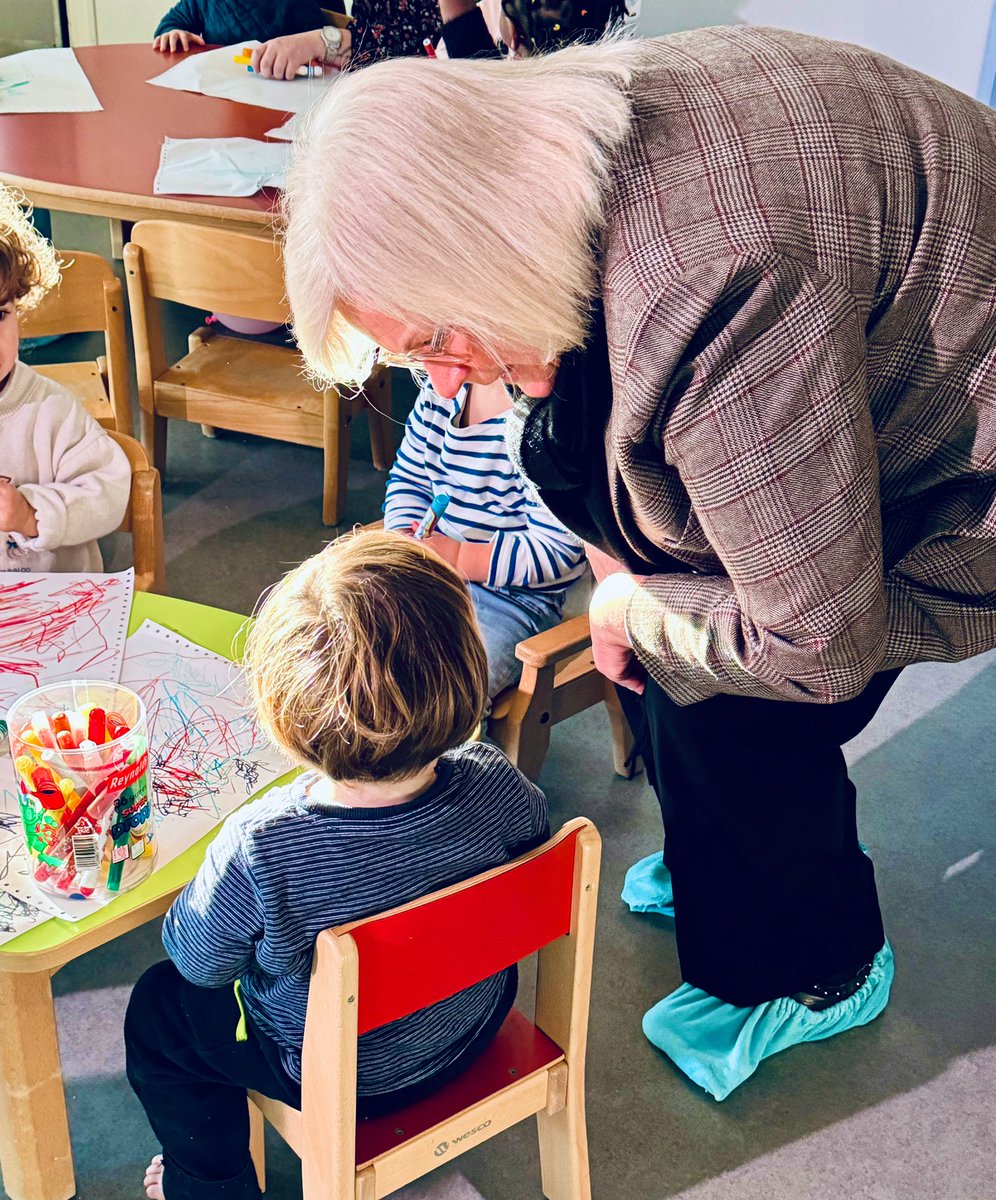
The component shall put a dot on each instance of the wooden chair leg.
(337, 420)
(35, 1153)
(622, 735)
(377, 395)
(563, 1143)
(154, 440)
(257, 1144)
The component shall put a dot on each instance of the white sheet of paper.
(55, 627)
(286, 132)
(207, 753)
(220, 166)
(213, 73)
(41, 81)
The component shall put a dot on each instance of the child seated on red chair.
(366, 667)
(63, 481)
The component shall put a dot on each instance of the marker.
(96, 727)
(306, 70)
(430, 49)
(117, 726)
(432, 514)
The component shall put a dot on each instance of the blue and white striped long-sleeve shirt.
(489, 500)
(291, 864)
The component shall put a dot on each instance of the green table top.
(217, 630)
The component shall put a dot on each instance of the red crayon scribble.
(39, 629)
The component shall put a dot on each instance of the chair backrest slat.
(215, 269)
(422, 953)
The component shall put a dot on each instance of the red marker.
(117, 726)
(65, 740)
(60, 723)
(430, 49)
(96, 729)
(46, 789)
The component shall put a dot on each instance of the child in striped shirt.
(516, 558)
(366, 667)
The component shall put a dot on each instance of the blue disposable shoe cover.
(718, 1045)
(648, 887)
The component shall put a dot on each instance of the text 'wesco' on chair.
(370, 972)
(232, 383)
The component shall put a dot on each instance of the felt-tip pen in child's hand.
(432, 514)
(308, 70)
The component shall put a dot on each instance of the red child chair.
(373, 971)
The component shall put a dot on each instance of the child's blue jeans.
(506, 617)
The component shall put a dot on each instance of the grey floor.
(899, 1110)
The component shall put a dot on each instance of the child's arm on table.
(88, 495)
(176, 30)
(212, 927)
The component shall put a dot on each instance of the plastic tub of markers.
(81, 756)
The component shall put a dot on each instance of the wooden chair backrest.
(213, 269)
(80, 303)
(425, 951)
(143, 518)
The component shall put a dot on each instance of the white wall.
(28, 21)
(947, 41)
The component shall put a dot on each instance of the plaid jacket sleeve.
(764, 414)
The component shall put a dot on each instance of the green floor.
(901, 1109)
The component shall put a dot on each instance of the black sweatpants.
(772, 893)
(191, 1075)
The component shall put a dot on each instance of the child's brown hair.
(366, 661)
(29, 265)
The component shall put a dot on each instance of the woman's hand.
(16, 514)
(176, 39)
(610, 646)
(601, 564)
(280, 57)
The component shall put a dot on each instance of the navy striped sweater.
(490, 501)
(293, 863)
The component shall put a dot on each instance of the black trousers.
(772, 893)
(191, 1075)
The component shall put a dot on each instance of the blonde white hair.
(29, 263)
(454, 194)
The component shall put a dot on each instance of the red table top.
(100, 161)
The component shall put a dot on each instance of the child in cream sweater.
(63, 482)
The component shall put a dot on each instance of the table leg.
(35, 1153)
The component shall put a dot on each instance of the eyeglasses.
(431, 352)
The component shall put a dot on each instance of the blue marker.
(432, 515)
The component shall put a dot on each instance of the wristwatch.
(332, 37)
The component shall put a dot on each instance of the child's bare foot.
(154, 1179)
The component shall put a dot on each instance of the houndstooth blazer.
(799, 267)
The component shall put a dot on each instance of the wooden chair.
(559, 678)
(373, 971)
(226, 382)
(144, 517)
(88, 300)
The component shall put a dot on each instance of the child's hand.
(16, 514)
(280, 57)
(176, 39)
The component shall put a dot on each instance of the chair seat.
(519, 1049)
(209, 385)
(85, 381)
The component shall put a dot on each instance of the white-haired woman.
(743, 281)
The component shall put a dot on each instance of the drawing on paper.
(207, 754)
(55, 627)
